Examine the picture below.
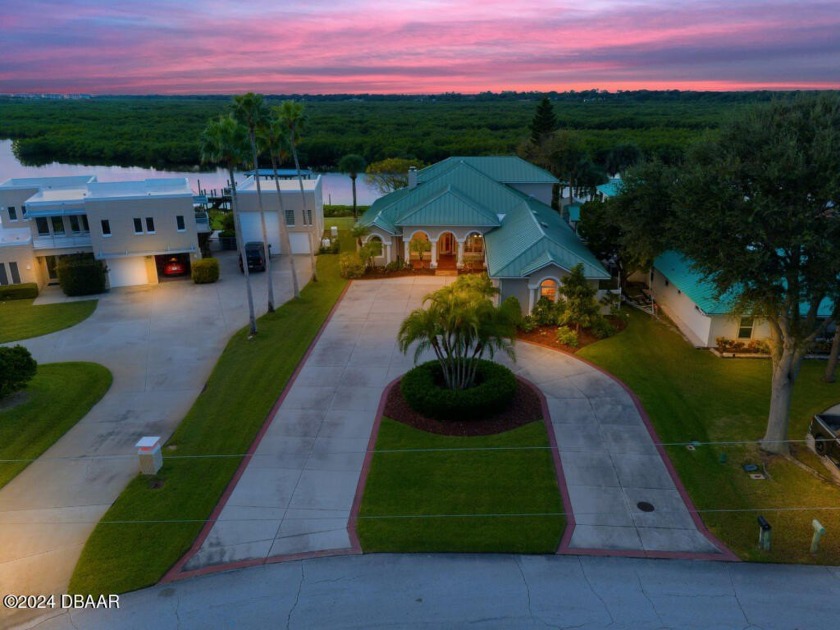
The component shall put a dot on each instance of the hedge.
(425, 392)
(205, 271)
(17, 368)
(19, 291)
(80, 274)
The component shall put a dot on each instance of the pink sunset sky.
(416, 46)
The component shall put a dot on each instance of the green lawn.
(20, 320)
(443, 484)
(147, 530)
(56, 399)
(692, 395)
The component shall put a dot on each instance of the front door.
(445, 244)
(51, 272)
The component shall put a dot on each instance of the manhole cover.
(644, 506)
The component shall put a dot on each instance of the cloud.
(117, 46)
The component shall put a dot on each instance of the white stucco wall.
(691, 320)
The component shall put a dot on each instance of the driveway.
(161, 343)
(296, 493)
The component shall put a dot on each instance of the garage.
(173, 267)
(299, 242)
(252, 230)
(127, 272)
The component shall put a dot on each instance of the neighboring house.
(134, 227)
(611, 189)
(483, 212)
(691, 303)
(305, 228)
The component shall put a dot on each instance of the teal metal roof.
(611, 188)
(449, 208)
(507, 169)
(677, 268)
(574, 213)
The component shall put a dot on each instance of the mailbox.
(148, 452)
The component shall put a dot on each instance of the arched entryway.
(419, 249)
(447, 251)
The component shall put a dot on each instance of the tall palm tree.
(291, 115)
(225, 141)
(352, 164)
(252, 112)
(271, 138)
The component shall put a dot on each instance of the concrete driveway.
(160, 343)
(296, 494)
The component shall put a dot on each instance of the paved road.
(297, 492)
(160, 343)
(455, 591)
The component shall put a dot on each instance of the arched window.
(376, 243)
(474, 244)
(548, 289)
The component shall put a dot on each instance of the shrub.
(17, 367)
(80, 274)
(19, 291)
(527, 324)
(567, 336)
(205, 271)
(396, 265)
(425, 392)
(350, 265)
(228, 224)
(602, 329)
(546, 312)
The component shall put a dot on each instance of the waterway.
(337, 187)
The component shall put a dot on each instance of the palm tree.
(290, 114)
(225, 141)
(461, 324)
(352, 164)
(271, 138)
(251, 111)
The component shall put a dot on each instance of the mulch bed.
(377, 275)
(547, 336)
(525, 408)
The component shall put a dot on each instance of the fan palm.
(225, 141)
(352, 164)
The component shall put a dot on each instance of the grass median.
(428, 492)
(19, 319)
(692, 395)
(155, 520)
(32, 420)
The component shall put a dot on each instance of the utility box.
(334, 231)
(148, 452)
(325, 242)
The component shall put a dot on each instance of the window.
(106, 227)
(85, 224)
(548, 289)
(138, 225)
(74, 224)
(745, 328)
(43, 226)
(290, 217)
(12, 213)
(309, 217)
(57, 225)
(13, 269)
(150, 225)
(4, 279)
(179, 223)
(474, 244)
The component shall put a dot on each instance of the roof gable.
(449, 208)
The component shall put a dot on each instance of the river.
(337, 188)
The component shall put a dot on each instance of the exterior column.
(460, 263)
(433, 264)
(387, 252)
(531, 291)
(406, 242)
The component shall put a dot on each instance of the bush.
(228, 224)
(350, 265)
(602, 329)
(205, 271)
(567, 336)
(17, 367)
(527, 324)
(80, 274)
(546, 312)
(396, 265)
(425, 392)
(19, 291)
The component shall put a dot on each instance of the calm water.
(337, 186)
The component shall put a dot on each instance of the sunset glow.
(416, 46)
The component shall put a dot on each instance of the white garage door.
(300, 242)
(252, 230)
(127, 272)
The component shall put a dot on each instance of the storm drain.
(644, 506)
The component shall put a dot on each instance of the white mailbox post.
(148, 452)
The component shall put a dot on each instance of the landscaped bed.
(467, 492)
(19, 319)
(155, 520)
(33, 419)
(691, 395)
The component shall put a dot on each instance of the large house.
(483, 212)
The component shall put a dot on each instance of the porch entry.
(447, 248)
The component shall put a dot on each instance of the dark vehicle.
(826, 431)
(255, 255)
(174, 267)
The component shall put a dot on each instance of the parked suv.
(255, 255)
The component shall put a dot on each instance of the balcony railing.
(58, 241)
(202, 222)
